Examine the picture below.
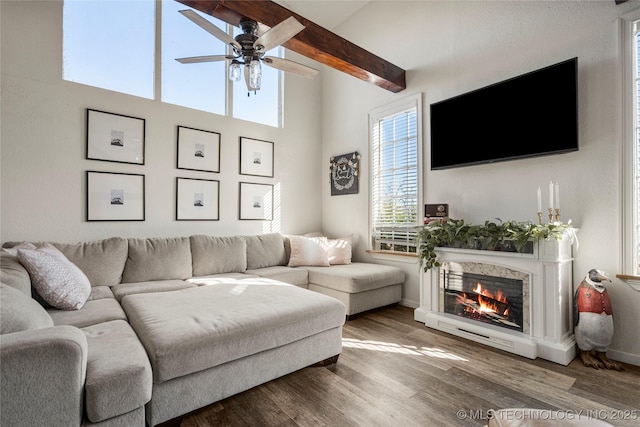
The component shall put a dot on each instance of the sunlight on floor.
(400, 349)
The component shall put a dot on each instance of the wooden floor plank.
(395, 371)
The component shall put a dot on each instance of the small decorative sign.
(344, 173)
(435, 211)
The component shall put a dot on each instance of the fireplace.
(488, 299)
(521, 303)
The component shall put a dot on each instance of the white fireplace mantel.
(550, 332)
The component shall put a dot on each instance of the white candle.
(551, 194)
(539, 200)
(557, 193)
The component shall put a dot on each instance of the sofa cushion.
(115, 384)
(265, 250)
(356, 277)
(100, 292)
(102, 260)
(93, 312)
(56, 279)
(308, 251)
(158, 259)
(13, 274)
(293, 276)
(339, 250)
(215, 255)
(124, 289)
(195, 329)
(19, 312)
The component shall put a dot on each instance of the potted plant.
(511, 235)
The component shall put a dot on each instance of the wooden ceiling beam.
(314, 41)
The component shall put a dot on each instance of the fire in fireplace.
(488, 299)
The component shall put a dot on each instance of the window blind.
(394, 193)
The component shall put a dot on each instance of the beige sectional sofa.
(171, 325)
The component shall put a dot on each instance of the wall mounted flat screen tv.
(535, 114)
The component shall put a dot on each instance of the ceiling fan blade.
(207, 58)
(210, 28)
(290, 66)
(278, 34)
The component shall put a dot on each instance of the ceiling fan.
(249, 49)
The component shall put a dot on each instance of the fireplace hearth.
(521, 303)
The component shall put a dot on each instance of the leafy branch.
(514, 236)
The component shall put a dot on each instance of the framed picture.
(256, 201)
(115, 196)
(198, 150)
(115, 138)
(345, 170)
(256, 157)
(197, 199)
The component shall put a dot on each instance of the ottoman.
(360, 286)
(211, 342)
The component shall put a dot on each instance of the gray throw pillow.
(56, 279)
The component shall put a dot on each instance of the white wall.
(43, 146)
(449, 48)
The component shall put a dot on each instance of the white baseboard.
(621, 356)
(409, 303)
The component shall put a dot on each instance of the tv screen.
(534, 114)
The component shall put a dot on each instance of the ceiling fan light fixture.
(234, 71)
(255, 74)
(249, 49)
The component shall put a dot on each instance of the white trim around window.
(409, 229)
(629, 154)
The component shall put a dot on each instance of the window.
(395, 142)
(112, 45)
(201, 86)
(630, 55)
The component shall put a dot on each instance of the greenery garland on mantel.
(513, 236)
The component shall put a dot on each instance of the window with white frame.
(108, 44)
(630, 56)
(395, 150)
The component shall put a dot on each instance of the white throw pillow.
(56, 279)
(339, 250)
(309, 251)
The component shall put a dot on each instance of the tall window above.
(630, 55)
(110, 45)
(113, 45)
(395, 141)
(201, 86)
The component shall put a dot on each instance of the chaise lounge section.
(171, 325)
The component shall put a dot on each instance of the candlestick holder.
(558, 215)
(550, 215)
(540, 218)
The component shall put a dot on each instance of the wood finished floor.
(394, 371)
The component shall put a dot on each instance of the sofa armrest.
(43, 374)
